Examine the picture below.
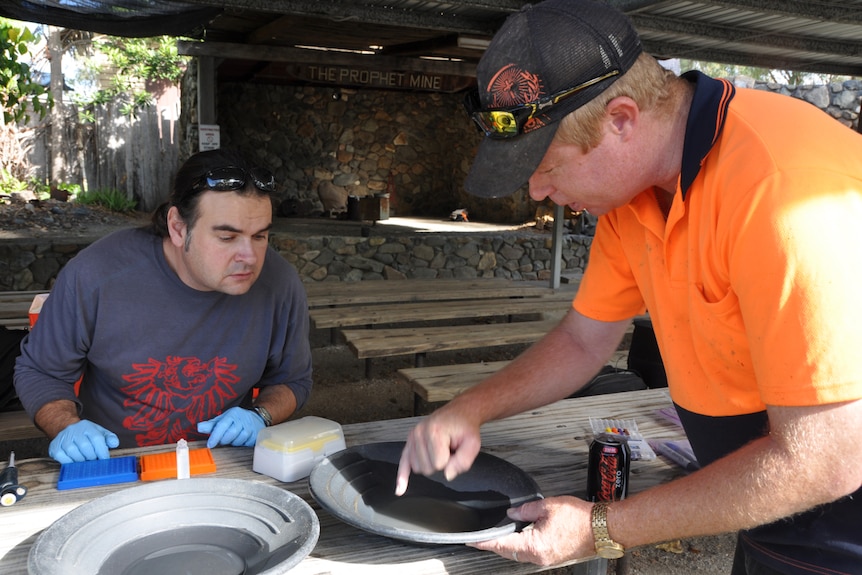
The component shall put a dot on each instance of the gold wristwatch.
(606, 547)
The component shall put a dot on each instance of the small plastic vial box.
(628, 429)
(98, 472)
(164, 465)
(288, 451)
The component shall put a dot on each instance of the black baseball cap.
(541, 51)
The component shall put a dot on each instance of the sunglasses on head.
(231, 178)
(502, 123)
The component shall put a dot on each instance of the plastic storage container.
(288, 451)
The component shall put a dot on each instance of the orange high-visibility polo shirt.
(754, 282)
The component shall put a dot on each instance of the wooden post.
(206, 90)
(557, 246)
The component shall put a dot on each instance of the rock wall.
(325, 143)
(512, 255)
(33, 265)
(838, 99)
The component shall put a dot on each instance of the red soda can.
(608, 468)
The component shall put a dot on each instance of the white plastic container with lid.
(288, 451)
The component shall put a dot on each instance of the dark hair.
(186, 191)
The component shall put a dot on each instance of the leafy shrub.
(114, 200)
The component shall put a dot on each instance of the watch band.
(605, 546)
(264, 414)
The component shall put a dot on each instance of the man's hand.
(561, 530)
(82, 441)
(236, 426)
(444, 441)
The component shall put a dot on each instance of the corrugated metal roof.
(823, 36)
(818, 36)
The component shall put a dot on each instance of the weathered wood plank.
(15, 322)
(15, 308)
(16, 426)
(444, 382)
(369, 343)
(401, 312)
(370, 292)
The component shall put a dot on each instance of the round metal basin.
(203, 526)
(357, 485)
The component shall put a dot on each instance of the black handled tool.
(10, 491)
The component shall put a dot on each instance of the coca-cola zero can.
(608, 468)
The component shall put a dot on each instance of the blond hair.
(646, 82)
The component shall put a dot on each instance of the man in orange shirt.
(742, 243)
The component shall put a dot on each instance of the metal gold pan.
(357, 485)
(204, 526)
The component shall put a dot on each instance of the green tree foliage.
(788, 77)
(135, 61)
(19, 94)
(149, 58)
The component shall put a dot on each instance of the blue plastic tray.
(99, 472)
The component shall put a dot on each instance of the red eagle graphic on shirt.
(170, 397)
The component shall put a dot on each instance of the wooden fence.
(134, 154)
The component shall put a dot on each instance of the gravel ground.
(54, 218)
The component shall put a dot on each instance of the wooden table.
(549, 443)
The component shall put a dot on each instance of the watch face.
(610, 552)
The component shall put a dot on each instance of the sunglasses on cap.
(502, 123)
(231, 178)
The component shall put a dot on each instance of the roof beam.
(675, 50)
(753, 36)
(834, 11)
(301, 56)
(341, 11)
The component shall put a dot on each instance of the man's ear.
(177, 227)
(623, 115)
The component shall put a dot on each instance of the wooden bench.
(18, 434)
(434, 384)
(15, 308)
(324, 294)
(16, 425)
(346, 296)
(15, 322)
(438, 383)
(394, 313)
(370, 343)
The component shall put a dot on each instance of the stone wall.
(328, 143)
(416, 146)
(838, 99)
(511, 255)
(33, 265)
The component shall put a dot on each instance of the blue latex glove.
(236, 426)
(83, 441)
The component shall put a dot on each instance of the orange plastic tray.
(164, 465)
